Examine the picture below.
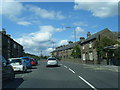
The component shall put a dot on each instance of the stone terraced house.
(9, 48)
(64, 51)
(88, 52)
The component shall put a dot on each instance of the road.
(66, 75)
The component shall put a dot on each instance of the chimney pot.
(82, 39)
(88, 34)
(3, 31)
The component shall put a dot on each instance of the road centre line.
(65, 66)
(82, 79)
(71, 70)
(87, 83)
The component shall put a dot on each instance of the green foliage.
(31, 55)
(76, 53)
(44, 57)
(117, 53)
(99, 45)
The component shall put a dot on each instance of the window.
(91, 56)
(15, 61)
(14, 45)
(90, 45)
(83, 47)
(51, 58)
(8, 43)
(83, 56)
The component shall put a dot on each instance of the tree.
(99, 45)
(76, 53)
(31, 55)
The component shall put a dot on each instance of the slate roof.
(71, 45)
(94, 36)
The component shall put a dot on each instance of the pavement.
(66, 75)
(103, 67)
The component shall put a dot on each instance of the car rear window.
(16, 60)
(26, 59)
(51, 58)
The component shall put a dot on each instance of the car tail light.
(32, 62)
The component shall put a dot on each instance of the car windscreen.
(51, 58)
(16, 61)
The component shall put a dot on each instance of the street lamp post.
(74, 32)
(53, 45)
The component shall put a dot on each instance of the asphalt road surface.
(66, 75)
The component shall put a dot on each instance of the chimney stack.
(88, 34)
(8, 35)
(3, 31)
(70, 42)
(82, 39)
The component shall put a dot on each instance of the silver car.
(52, 62)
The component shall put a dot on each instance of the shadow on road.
(18, 72)
(34, 68)
(51, 66)
(12, 84)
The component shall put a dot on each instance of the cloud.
(98, 9)
(79, 30)
(80, 24)
(51, 29)
(40, 40)
(11, 8)
(63, 42)
(45, 13)
(24, 23)
(48, 50)
(14, 12)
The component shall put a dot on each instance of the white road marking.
(71, 70)
(87, 83)
(65, 66)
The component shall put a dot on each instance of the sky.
(42, 25)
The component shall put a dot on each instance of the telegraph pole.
(74, 31)
(41, 53)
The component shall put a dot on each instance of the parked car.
(7, 70)
(18, 64)
(36, 61)
(33, 62)
(27, 61)
(52, 61)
